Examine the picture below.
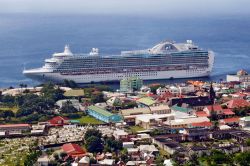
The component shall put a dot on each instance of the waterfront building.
(241, 76)
(130, 84)
(103, 115)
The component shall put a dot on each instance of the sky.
(138, 7)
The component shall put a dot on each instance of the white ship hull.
(149, 75)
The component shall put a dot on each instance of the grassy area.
(89, 120)
(4, 108)
(135, 129)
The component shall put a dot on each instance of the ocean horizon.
(28, 39)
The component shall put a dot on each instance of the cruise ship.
(166, 60)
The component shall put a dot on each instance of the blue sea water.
(27, 39)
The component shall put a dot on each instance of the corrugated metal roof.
(100, 110)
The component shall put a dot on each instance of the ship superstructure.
(166, 60)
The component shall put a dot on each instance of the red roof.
(230, 120)
(228, 112)
(214, 107)
(73, 149)
(58, 120)
(202, 124)
(201, 114)
(14, 125)
(234, 103)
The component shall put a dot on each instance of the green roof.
(100, 110)
(74, 93)
(247, 118)
(146, 101)
(181, 109)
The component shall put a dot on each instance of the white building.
(241, 76)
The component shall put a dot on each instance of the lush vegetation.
(31, 107)
(95, 142)
(215, 158)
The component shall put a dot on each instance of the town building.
(245, 122)
(73, 150)
(13, 129)
(160, 109)
(103, 115)
(59, 121)
(114, 101)
(241, 76)
(185, 123)
(146, 102)
(147, 121)
(130, 84)
(43, 160)
(237, 103)
(196, 102)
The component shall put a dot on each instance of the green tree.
(94, 144)
(92, 132)
(243, 159)
(7, 114)
(159, 160)
(68, 107)
(112, 145)
(97, 97)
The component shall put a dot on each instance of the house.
(12, 129)
(230, 121)
(202, 125)
(149, 149)
(237, 103)
(107, 162)
(196, 102)
(59, 121)
(160, 109)
(114, 101)
(186, 122)
(245, 122)
(73, 150)
(128, 144)
(103, 115)
(169, 145)
(196, 134)
(43, 160)
(120, 134)
(182, 109)
(135, 111)
(85, 161)
(147, 121)
(201, 114)
(146, 102)
(199, 150)
(216, 108)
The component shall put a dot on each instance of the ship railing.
(135, 52)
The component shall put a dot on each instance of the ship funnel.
(67, 50)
